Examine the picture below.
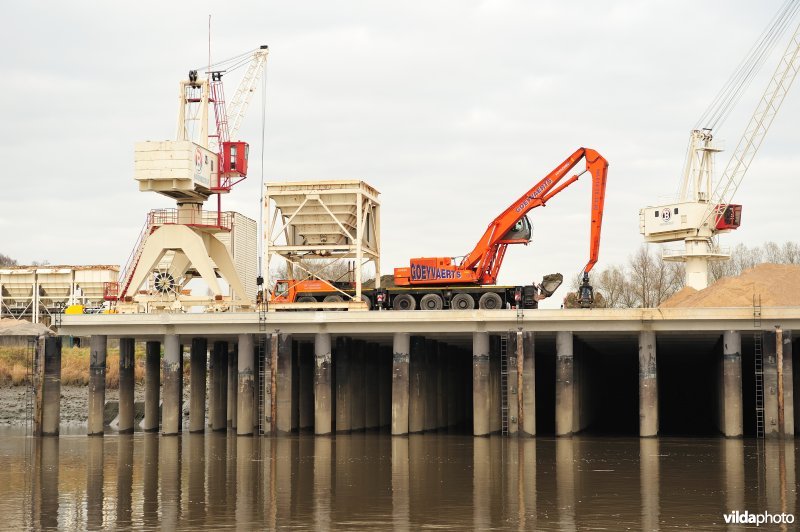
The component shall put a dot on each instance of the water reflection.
(372, 480)
(94, 483)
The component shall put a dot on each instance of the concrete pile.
(778, 285)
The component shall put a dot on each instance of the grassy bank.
(74, 366)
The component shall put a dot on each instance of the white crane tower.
(702, 210)
(186, 242)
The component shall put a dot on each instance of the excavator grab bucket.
(550, 284)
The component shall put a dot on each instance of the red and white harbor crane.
(185, 242)
(703, 209)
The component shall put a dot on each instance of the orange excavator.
(433, 283)
(482, 264)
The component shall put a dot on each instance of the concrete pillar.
(788, 384)
(565, 393)
(441, 392)
(152, 386)
(401, 346)
(481, 401)
(171, 416)
(770, 385)
(384, 386)
(528, 425)
(431, 347)
(47, 416)
(648, 385)
(198, 362)
(322, 384)
(358, 385)
(417, 386)
(219, 386)
(451, 378)
(344, 390)
(284, 392)
(732, 384)
(126, 383)
(98, 349)
(305, 396)
(295, 386)
(233, 384)
(245, 395)
(371, 381)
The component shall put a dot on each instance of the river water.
(374, 481)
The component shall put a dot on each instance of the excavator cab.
(519, 233)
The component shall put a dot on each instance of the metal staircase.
(758, 352)
(126, 274)
(504, 383)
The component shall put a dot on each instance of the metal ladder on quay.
(261, 379)
(504, 383)
(758, 352)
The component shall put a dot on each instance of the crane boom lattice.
(757, 128)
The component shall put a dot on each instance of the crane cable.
(261, 205)
(731, 92)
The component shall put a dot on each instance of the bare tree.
(613, 284)
(791, 253)
(5, 260)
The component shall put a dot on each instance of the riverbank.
(14, 363)
(74, 403)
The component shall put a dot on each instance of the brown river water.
(374, 481)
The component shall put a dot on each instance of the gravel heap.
(778, 285)
(12, 327)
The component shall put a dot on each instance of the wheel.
(431, 302)
(332, 299)
(490, 301)
(365, 298)
(462, 302)
(306, 299)
(404, 302)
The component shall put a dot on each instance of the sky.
(451, 109)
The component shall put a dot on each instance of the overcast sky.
(451, 109)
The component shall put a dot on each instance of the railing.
(127, 272)
(213, 219)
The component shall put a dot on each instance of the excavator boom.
(482, 264)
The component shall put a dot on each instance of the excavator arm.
(482, 264)
(487, 256)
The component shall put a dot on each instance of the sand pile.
(777, 284)
(12, 327)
